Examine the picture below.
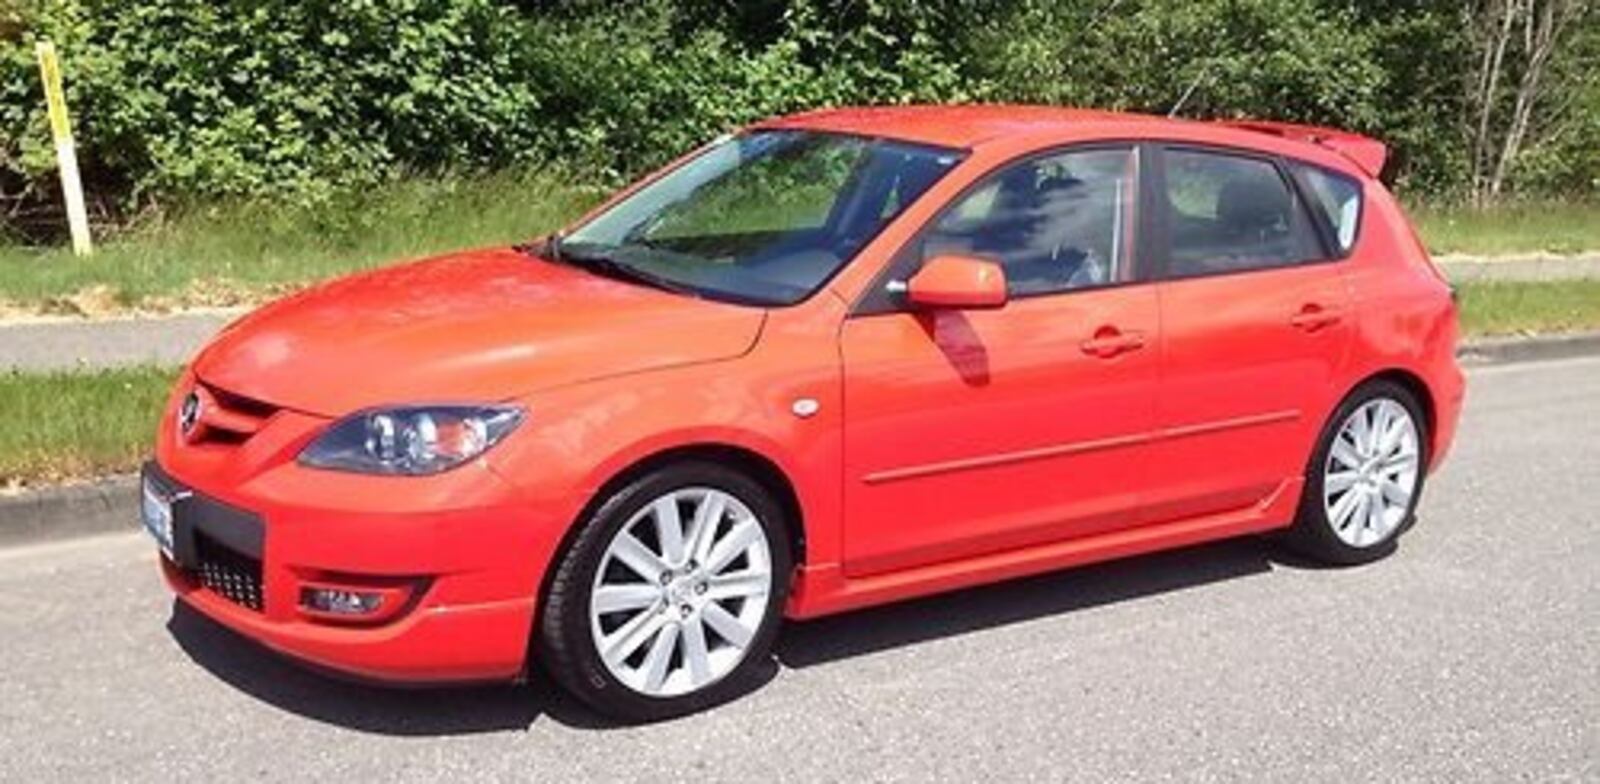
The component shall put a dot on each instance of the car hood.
(479, 326)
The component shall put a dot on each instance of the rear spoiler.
(1365, 151)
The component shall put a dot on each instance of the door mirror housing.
(959, 282)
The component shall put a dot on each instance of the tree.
(1518, 92)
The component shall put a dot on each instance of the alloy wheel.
(1372, 472)
(681, 591)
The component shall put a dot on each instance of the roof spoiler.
(1365, 151)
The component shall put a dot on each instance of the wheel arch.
(1418, 388)
(757, 466)
(764, 470)
(753, 464)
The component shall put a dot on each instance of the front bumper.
(243, 554)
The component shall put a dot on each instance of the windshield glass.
(764, 218)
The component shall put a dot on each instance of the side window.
(1338, 199)
(1055, 223)
(1228, 213)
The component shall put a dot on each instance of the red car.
(837, 359)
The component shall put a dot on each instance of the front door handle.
(1313, 317)
(1109, 342)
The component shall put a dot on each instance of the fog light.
(339, 602)
(365, 601)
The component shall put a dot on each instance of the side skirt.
(824, 590)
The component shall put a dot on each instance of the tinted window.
(763, 218)
(1338, 199)
(1228, 213)
(1055, 223)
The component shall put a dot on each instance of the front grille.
(244, 406)
(231, 419)
(232, 575)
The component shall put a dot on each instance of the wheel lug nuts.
(684, 610)
(700, 588)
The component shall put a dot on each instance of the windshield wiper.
(552, 249)
(608, 266)
(548, 247)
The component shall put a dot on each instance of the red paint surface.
(951, 448)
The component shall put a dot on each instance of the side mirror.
(957, 282)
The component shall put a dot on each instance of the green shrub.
(271, 98)
(186, 100)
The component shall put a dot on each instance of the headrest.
(1252, 203)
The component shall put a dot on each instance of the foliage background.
(178, 101)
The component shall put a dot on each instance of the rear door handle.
(1313, 317)
(1110, 341)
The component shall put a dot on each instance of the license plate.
(155, 508)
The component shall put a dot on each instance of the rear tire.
(1364, 478)
(650, 613)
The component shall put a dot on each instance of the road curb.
(1493, 351)
(112, 504)
(50, 513)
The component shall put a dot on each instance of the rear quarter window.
(1336, 198)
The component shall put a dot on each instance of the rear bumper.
(1451, 396)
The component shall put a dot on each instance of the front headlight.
(410, 440)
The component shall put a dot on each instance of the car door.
(1255, 324)
(976, 431)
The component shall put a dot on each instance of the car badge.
(189, 415)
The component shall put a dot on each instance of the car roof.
(971, 126)
(968, 125)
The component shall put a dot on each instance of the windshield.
(764, 218)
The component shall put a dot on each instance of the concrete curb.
(1490, 351)
(112, 504)
(46, 514)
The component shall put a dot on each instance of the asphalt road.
(1472, 654)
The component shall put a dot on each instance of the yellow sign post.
(66, 152)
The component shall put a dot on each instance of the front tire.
(668, 600)
(1365, 477)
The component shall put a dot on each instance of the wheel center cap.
(682, 590)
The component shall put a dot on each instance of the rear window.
(1337, 198)
(1230, 213)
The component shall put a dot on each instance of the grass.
(67, 425)
(1515, 308)
(76, 424)
(1531, 227)
(240, 253)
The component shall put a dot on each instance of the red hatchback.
(836, 359)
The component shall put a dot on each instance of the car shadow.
(322, 696)
(457, 710)
(976, 609)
